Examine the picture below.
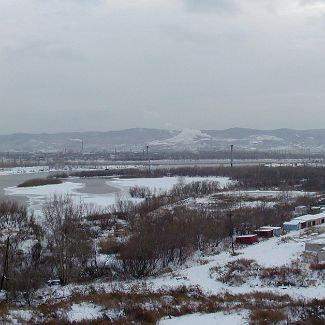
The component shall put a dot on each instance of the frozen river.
(103, 192)
(91, 186)
(13, 180)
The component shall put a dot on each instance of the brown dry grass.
(266, 317)
(109, 246)
(140, 305)
(4, 309)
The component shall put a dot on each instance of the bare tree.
(20, 271)
(68, 237)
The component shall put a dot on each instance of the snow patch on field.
(83, 311)
(273, 252)
(214, 318)
(20, 316)
(23, 170)
(166, 183)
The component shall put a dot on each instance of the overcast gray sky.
(78, 65)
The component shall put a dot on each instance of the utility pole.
(148, 157)
(4, 277)
(231, 155)
(231, 233)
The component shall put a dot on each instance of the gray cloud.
(219, 6)
(308, 2)
(72, 65)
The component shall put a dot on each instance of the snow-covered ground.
(24, 170)
(18, 317)
(274, 252)
(83, 311)
(166, 183)
(213, 319)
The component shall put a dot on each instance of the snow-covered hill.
(187, 139)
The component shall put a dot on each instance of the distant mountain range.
(159, 140)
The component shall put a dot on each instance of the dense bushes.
(195, 189)
(68, 238)
(267, 317)
(170, 237)
(256, 177)
(21, 266)
(13, 215)
(263, 177)
(32, 254)
(40, 182)
(140, 191)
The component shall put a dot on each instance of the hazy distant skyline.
(81, 65)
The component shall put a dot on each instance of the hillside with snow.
(187, 139)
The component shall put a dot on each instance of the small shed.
(277, 231)
(291, 225)
(300, 210)
(265, 233)
(247, 239)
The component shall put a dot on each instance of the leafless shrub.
(40, 182)
(142, 315)
(109, 246)
(68, 237)
(106, 221)
(140, 192)
(137, 258)
(267, 317)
